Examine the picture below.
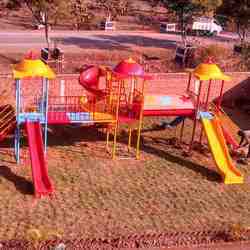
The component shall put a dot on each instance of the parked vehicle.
(108, 25)
(168, 27)
(206, 26)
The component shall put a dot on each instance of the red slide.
(230, 139)
(42, 183)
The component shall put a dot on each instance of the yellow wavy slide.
(218, 146)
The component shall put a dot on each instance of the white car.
(206, 26)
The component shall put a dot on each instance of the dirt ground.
(75, 60)
(96, 197)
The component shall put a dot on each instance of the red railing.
(66, 103)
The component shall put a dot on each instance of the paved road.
(101, 39)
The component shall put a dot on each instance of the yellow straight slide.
(219, 149)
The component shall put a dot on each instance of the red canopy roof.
(129, 67)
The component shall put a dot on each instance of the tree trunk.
(47, 30)
(241, 36)
(244, 33)
(108, 18)
(183, 32)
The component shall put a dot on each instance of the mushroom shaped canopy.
(32, 68)
(209, 71)
(129, 67)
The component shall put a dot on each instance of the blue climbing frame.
(22, 116)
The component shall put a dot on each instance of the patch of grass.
(97, 197)
(220, 54)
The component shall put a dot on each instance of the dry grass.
(98, 197)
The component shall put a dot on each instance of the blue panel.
(32, 117)
(165, 100)
(206, 115)
(79, 116)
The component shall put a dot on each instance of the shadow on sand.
(21, 184)
(183, 162)
(69, 135)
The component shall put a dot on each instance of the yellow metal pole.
(107, 139)
(129, 138)
(109, 103)
(117, 120)
(140, 123)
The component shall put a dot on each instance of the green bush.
(245, 55)
(13, 4)
(217, 52)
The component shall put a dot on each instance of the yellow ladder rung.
(6, 122)
(6, 115)
(6, 128)
(2, 112)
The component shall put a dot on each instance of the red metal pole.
(195, 118)
(189, 81)
(208, 94)
(183, 122)
(182, 130)
(206, 106)
(221, 94)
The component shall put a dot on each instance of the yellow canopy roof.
(209, 71)
(32, 68)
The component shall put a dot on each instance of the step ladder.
(7, 120)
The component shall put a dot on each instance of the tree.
(114, 8)
(11, 4)
(186, 9)
(80, 10)
(47, 11)
(239, 12)
(208, 6)
(42, 10)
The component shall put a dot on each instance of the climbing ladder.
(7, 120)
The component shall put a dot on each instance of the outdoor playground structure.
(113, 97)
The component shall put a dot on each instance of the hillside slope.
(142, 16)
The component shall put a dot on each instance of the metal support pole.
(140, 123)
(46, 114)
(117, 120)
(208, 95)
(195, 118)
(17, 144)
(189, 81)
(221, 94)
(41, 104)
(132, 89)
(129, 138)
(183, 122)
(182, 130)
(206, 106)
(17, 132)
(107, 139)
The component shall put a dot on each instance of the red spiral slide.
(42, 183)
